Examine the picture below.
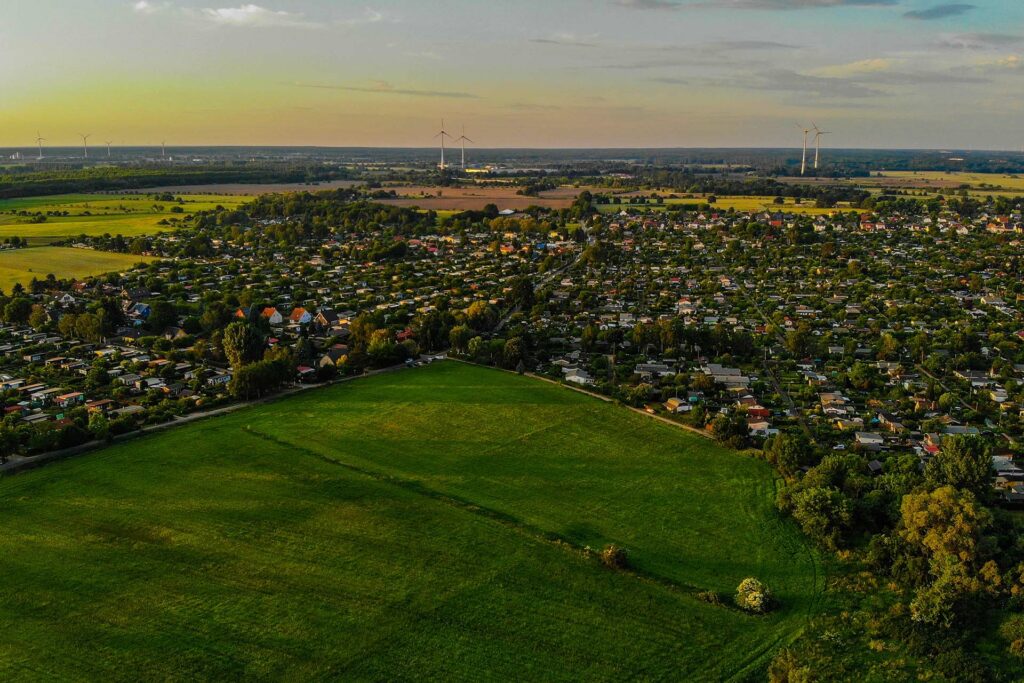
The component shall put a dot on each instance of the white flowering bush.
(753, 596)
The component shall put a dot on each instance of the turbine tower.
(39, 141)
(85, 143)
(817, 143)
(108, 148)
(464, 140)
(443, 134)
(803, 159)
(163, 149)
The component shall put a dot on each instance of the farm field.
(1013, 183)
(249, 190)
(97, 214)
(428, 523)
(932, 182)
(476, 197)
(21, 265)
(739, 203)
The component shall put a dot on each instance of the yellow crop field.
(98, 214)
(21, 265)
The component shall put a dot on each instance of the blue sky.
(605, 73)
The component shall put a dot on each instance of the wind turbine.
(463, 140)
(108, 148)
(85, 143)
(39, 141)
(443, 134)
(803, 159)
(817, 143)
(163, 149)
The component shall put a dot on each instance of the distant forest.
(29, 182)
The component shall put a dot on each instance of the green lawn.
(427, 523)
(21, 265)
(97, 214)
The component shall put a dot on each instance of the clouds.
(979, 41)
(385, 88)
(801, 4)
(648, 4)
(1006, 63)
(862, 66)
(751, 4)
(251, 15)
(824, 87)
(369, 16)
(147, 7)
(255, 16)
(567, 39)
(940, 11)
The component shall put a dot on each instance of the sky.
(514, 73)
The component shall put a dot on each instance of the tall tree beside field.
(513, 352)
(243, 343)
(18, 310)
(947, 528)
(964, 462)
(37, 319)
(459, 337)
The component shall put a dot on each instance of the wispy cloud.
(825, 87)
(1009, 62)
(751, 45)
(649, 4)
(255, 16)
(751, 4)
(783, 81)
(940, 11)
(424, 54)
(531, 106)
(862, 66)
(385, 88)
(800, 4)
(711, 61)
(567, 39)
(921, 77)
(978, 41)
(146, 7)
(369, 16)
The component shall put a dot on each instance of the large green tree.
(243, 343)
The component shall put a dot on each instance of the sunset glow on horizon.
(585, 73)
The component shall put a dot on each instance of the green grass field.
(21, 265)
(427, 523)
(739, 203)
(97, 214)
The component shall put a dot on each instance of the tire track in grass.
(504, 519)
(746, 669)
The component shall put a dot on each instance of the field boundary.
(25, 463)
(534, 532)
(592, 394)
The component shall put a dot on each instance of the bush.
(786, 669)
(753, 596)
(710, 597)
(614, 557)
(1012, 629)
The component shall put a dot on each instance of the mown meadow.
(431, 523)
